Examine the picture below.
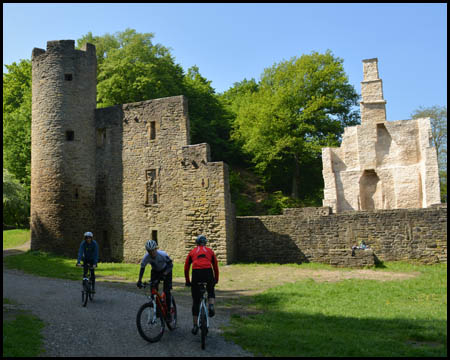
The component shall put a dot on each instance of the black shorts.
(201, 275)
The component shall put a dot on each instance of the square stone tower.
(381, 164)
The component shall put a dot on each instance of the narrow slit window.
(68, 77)
(70, 135)
(152, 130)
(101, 137)
(155, 235)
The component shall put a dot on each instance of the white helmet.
(88, 234)
(151, 245)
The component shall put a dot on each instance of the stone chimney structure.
(381, 164)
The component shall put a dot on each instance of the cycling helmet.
(88, 234)
(151, 245)
(201, 240)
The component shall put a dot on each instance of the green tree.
(17, 121)
(438, 120)
(209, 120)
(298, 107)
(131, 68)
(16, 205)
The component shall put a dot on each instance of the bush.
(277, 202)
(244, 207)
(16, 204)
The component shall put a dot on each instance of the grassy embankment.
(13, 238)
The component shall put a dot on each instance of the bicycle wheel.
(149, 324)
(91, 294)
(173, 311)
(203, 326)
(84, 293)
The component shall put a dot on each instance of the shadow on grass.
(277, 333)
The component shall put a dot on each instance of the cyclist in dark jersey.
(203, 262)
(88, 252)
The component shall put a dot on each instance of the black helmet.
(201, 240)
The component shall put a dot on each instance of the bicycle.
(203, 318)
(152, 316)
(86, 291)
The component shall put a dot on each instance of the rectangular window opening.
(70, 135)
(155, 235)
(101, 137)
(68, 77)
(152, 130)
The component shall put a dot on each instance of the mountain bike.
(86, 291)
(152, 316)
(203, 318)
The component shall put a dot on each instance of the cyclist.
(88, 252)
(161, 269)
(203, 262)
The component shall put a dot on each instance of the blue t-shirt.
(88, 252)
(161, 262)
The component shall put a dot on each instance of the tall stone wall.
(151, 184)
(317, 235)
(109, 183)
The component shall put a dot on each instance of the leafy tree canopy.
(299, 106)
(131, 68)
(17, 121)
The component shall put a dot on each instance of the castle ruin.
(381, 164)
(127, 172)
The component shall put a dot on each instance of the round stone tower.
(62, 146)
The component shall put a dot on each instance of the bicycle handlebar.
(90, 267)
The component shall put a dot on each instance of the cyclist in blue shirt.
(89, 254)
(162, 266)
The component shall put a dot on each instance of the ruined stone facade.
(127, 172)
(381, 164)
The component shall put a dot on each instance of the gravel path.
(107, 326)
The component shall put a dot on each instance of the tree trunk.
(295, 178)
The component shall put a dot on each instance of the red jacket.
(201, 257)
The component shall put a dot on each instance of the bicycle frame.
(89, 274)
(155, 297)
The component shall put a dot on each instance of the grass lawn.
(21, 333)
(13, 238)
(350, 317)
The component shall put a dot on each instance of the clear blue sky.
(230, 42)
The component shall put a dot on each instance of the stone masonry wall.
(109, 175)
(316, 235)
(151, 184)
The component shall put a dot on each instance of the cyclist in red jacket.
(203, 262)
